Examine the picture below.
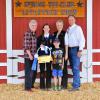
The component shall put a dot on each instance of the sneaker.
(59, 88)
(55, 88)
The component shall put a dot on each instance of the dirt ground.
(88, 91)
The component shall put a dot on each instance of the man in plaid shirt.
(30, 45)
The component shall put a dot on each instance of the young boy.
(58, 62)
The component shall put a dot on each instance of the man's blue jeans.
(75, 64)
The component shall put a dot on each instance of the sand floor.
(16, 92)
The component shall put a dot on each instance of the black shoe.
(48, 89)
(28, 90)
(74, 89)
(32, 87)
(43, 89)
(64, 88)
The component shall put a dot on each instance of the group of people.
(65, 45)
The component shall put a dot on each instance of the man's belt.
(73, 47)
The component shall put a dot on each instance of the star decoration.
(18, 3)
(80, 4)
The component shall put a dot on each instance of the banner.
(49, 8)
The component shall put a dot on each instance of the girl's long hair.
(43, 27)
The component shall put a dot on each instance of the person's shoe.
(28, 90)
(59, 88)
(43, 89)
(74, 89)
(64, 88)
(32, 87)
(55, 88)
(49, 89)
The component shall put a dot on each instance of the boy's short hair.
(56, 40)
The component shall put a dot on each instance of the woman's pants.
(45, 72)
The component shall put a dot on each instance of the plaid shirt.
(30, 43)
